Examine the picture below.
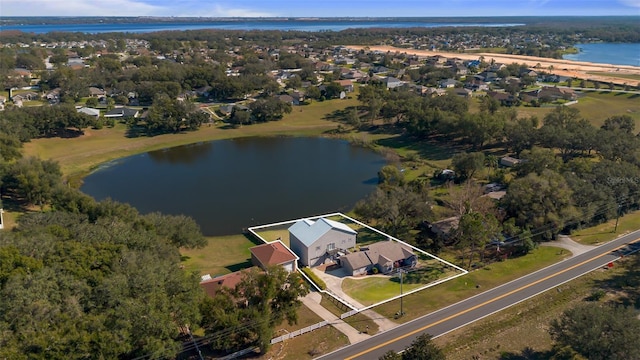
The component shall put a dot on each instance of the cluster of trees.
(96, 280)
(169, 115)
(557, 185)
(248, 314)
(29, 123)
(262, 110)
(596, 332)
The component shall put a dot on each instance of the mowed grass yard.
(521, 331)
(222, 255)
(374, 289)
(595, 106)
(473, 283)
(604, 232)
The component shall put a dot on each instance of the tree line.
(570, 173)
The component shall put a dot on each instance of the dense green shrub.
(319, 282)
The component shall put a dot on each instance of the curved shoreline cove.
(229, 185)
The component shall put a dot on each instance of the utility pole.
(401, 297)
(617, 218)
(195, 343)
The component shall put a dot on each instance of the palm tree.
(491, 161)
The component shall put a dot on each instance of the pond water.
(229, 185)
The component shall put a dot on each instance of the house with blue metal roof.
(319, 240)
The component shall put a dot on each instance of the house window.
(331, 246)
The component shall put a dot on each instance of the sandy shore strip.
(575, 69)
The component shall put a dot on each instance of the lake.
(283, 25)
(229, 185)
(607, 53)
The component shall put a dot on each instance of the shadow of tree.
(425, 149)
(626, 284)
(526, 354)
(239, 266)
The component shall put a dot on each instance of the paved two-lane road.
(488, 302)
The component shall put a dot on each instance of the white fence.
(299, 332)
(349, 313)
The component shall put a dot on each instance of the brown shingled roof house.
(273, 253)
(212, 286)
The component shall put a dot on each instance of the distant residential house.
(322, 66)
(443, 228)
(316, 241)
(347, 85)
(509, 161)
(121, 112)
(26, 96)
(504, 98)
(273, 253)
(354, 75)
(496, 67)
(285, 98)
(298, 97)
(211, 286)
(460, 69)
(447, 83)
(96, 92)
(75, 62)
(89, 111)
(53, 96)
(556, 93)
(488, 76)
(462, 92)
(379, 69)
(385, 256)
(391, 83)
(475, 84)
(435, 92)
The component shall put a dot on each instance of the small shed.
(509, 161)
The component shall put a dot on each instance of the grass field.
(596, 107)
(475, 282)
(604, 232)
(521, 332)
(78, 156)
(307, 346)
(373, 289)
(358, 321)
(222, 255)
(615, 74)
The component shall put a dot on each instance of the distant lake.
(228, 185)
(607, 53)
(283, 25)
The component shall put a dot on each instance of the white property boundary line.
(330, 293)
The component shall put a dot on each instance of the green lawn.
(358, 321)
(598, 106)
(439, 296)
(80, 155)
(222, 255)
(625, 76)
(523, 328)
(273, 234)
(604, 232)
(373, 289)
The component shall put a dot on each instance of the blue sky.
(322, 8)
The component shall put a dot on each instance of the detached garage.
(273, 253)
